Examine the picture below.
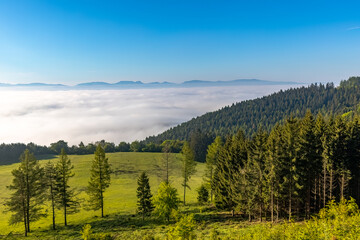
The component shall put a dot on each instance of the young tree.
(211, 158)
(66, 195)
(99, 180)
(188, 166)
(166, 200)
(29, 192)
(51, 178)
(145, 206)
(203, 194)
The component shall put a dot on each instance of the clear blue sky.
(70, 41)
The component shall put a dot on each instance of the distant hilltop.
(141, 85)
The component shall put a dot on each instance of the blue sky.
(73, 41)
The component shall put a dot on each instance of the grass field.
(120, 198)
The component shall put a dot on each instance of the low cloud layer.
(44, 117)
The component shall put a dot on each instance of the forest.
(265, 112)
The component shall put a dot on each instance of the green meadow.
(120, 198)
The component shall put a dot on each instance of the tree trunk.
(290, 204)
(272, 204)
(324, 187)
(277, 209)
(53, 208)
(25, 219)
(331, 183)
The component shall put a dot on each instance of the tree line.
(10, 153)
(293, 170)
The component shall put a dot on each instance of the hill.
(267, 111)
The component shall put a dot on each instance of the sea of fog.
(44, 117)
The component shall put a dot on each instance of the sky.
(74, 41)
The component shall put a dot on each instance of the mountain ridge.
(139, 84)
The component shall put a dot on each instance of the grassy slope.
(120, 198)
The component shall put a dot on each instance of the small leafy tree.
(203, 194)
(145, 206)
(183, 229)
(166, 201)
(99, 180)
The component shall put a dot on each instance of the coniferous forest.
(265, 112)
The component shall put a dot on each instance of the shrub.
(203, 194)
(184, 229)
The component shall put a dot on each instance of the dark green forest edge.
(299, 177)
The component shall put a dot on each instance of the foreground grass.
(120, 198)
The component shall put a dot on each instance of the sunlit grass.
(120, 198)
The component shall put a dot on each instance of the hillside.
(267, 111)
(120, 198)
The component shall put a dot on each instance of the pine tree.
(145, 206)
(256, 170)
(229, 173)
(291, 182)
(273, 169)
(188, 166)
(309, 158)
(29, 192)
(99, 180)
(51, 177)
(66, 196)
(211, 158)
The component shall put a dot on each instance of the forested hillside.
(267, 111)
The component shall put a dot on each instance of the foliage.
(184, 229)
(203, 195)
(99, 180)
(166, 200)
(145, 206)
(28, 192)
(66, 198)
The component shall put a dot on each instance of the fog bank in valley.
(44, 117)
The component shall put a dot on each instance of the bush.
(184, 229)
(203, 194)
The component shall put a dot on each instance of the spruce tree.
(309, 159)
(256, 170)
(29, 192)
(145, 206)
(99, 180)
(66, 196)
(188, 167)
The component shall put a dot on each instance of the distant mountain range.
(140, 85)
